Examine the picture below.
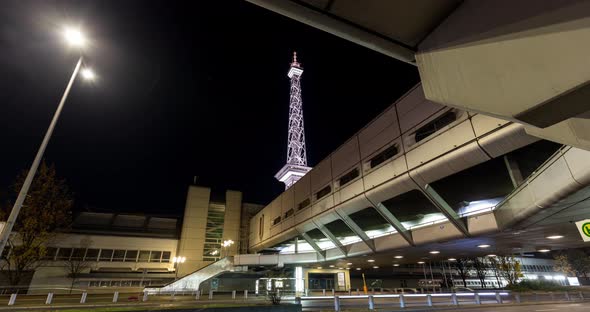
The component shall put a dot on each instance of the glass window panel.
(370, 221)
(64, 253)
(131, 256)
(166, 256)
(144, 256)
(50, 253)
(106, 254)
(78, 253)
(119, 255)
(91, 254)
(155, 256)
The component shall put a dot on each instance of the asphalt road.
(569, 307)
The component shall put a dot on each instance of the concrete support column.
(513, 171)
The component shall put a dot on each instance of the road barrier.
(340, 300)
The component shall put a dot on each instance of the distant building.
(137, 250)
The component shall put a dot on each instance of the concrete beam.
(395, 223)
(446, 209)
(331, 237)
(513, 171)
(516, 61)
(357, 230)
(313, 245)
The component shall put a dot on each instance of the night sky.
(185, 89)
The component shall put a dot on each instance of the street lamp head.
(74, 37)
(88, 74)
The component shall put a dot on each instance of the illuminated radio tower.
(296, 165)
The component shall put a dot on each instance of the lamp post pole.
(33, 170)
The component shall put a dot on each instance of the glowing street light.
(75, 38)
(226, 244)
(88, 74)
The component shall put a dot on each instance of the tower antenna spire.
(296, 165)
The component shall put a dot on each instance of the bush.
(530, 285)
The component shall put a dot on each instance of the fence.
(335, 300)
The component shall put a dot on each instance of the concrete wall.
(232, 220)
(192, 238)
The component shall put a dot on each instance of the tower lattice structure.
(296, 165)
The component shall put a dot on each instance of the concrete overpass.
(522, 61)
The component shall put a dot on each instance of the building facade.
(103, 251)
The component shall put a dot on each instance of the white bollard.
(371, 303)
(49, 298)
(429, 300)
(477, 299)
(454, 299)
(517, 297)
(402, 301)
(115, 296)
(210, 294)
(197, 295)
(145, 296)
(358, 292)
(246, 294)
(83, 298)
(336, 303)
(332, 291)
(12, 299)
(233, 294)
(323, 292)
(350, 291)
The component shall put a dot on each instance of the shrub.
(530, 285)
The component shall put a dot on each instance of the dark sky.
(185, 89)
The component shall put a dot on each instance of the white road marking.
(546, 310)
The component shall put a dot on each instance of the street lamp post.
(75, 38)
(177, 261)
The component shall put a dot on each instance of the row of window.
(111, 255)
(537, 268)
(119, 283)
(386, 154)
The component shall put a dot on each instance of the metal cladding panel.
(321, 175)
(505, 140)
(303, 215)
(436, 233)
(287, 200)
(379, 132)
(390, 242)
(356, 204)
(305, 227)
(482, 224)
(302, 189)
(288, 223)
(275, 208)
(345, 157)
(386, 171)
(465, 157)
(358, 248)
(322, 205)
(517, 207)
(483, 124)
(553, 183)
(349, 191)
(390, 189)
(442, 143)
(414, 109)
(327, 217)
(275, 229)
(578, 161)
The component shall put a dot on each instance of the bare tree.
(46, 209)
(563, 265)
(77, 264)
(462, 266)
(480, 268)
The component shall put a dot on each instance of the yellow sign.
(584, 228)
